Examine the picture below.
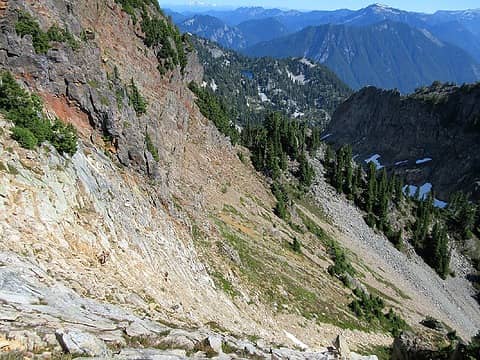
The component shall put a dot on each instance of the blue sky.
(413, 5)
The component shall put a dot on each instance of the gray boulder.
(80, 343)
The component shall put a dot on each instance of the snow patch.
(263, 97)
(307, 62)
(423, 161)
(213, 85)
(432, 38)
(374, 159)
(403, 162)
(297, 78)
(423, 191)
(326, 136)
(297, 114)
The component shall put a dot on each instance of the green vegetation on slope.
(367, 307)
(214, 109)
(160, 34)
(27, 25)
(378, 194)
(31, 126)
(253, 88)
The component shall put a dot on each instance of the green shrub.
(137, 101)
(27, 25)
(296, 245)
(62, 35)
(151, 148)
(24, 137)
(31, 126)
(64, 138)
(371, 308)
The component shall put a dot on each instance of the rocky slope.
(431, 136)
(166, 248)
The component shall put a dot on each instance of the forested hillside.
(251, 88)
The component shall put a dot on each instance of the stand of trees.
(378, 193)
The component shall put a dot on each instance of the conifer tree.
(339, 174)
(372, 189)
(348, 171)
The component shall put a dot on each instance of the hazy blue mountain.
(457, 34)
(255, 31)
(176, 16)
(237, 16)
(387, 55)
(470, 19)
(296, 21)
(377, 13)
(214, 29)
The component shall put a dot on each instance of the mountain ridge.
(387, 54)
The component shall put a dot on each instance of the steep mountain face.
(214, 29)
(154, 239)
(431, 136)
(388, 55)
(455, 33)
(252, 88)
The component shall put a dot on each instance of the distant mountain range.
(387, 55)
(441, 46)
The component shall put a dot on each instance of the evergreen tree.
(383, 198)
(348, 171)
(372, 189)
(339, 173)
(399, 191)
(306, 172)
(437, 253)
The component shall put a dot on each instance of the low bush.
(31, 126)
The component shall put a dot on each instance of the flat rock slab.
(80, 343)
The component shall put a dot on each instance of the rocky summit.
(138, 222)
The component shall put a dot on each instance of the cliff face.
(432, 135)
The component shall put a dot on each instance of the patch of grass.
(226, 286)
(93, 83)
(287, 288)
(12, 170)
(382, 352)
(2, 166)
(342, 265)
(151, 147)
(227, 348)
